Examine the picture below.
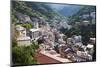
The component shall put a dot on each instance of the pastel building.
(22, 39)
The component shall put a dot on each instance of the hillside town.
(42, 35)
(53, 43)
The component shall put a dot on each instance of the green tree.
(22, 55)
(27, 25)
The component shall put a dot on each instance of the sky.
(61, 6)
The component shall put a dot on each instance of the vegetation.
(24, 55)
(85, 31)
(14, 42)
(27, 25)
(77, 17)
(32, 9)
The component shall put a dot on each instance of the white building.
(22, 39)
(20, 29)
(34, 34)
(85, 22)
(36, 24)
(93, 40)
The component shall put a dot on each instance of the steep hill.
(31, 9)
(86, 13)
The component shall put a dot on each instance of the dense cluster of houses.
(51, 39)
(70, 48)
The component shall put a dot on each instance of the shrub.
(22, 55)
(27, 25)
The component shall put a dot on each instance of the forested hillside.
(83, 14)
(32, 10)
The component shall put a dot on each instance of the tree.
(35, 45)
(14, 42)
(27, 25)
(22, 55)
